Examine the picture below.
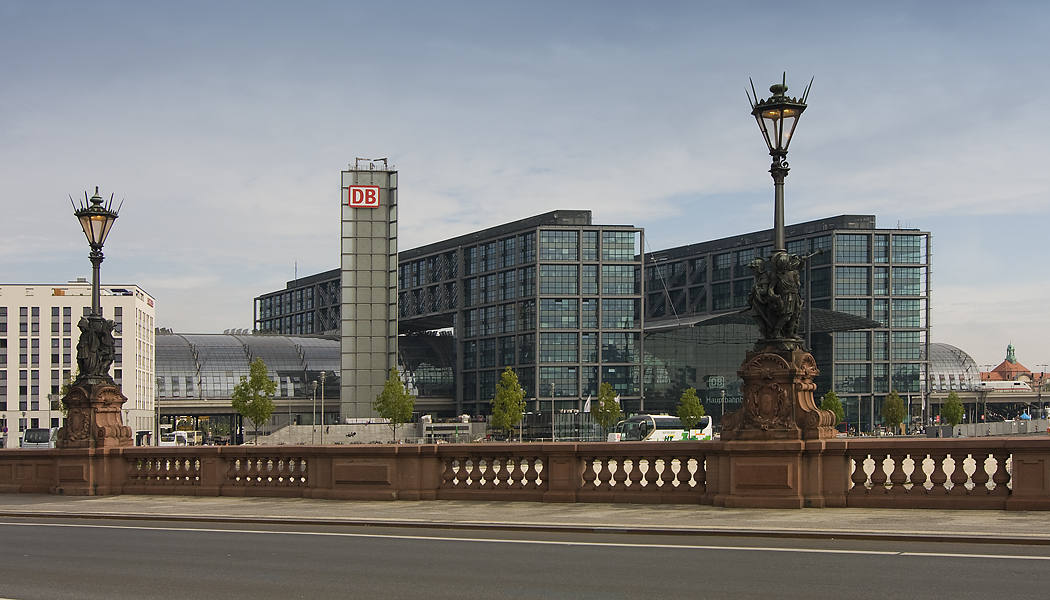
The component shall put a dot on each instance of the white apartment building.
(38, 340)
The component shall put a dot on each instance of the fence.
(985, 473)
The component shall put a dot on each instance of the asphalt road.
(65, 559)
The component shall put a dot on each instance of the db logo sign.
(363, 196)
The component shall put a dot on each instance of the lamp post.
(776, 296)
(94, 400)
(323, 375)
(313, 413)
(777, 117)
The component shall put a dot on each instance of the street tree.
(508, 407)
(689, 408)
(893, 410)
(952, 410)
(606, 410)
(394, 403)
(253, 396)
(831, 402)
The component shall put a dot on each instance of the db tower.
(369, 283)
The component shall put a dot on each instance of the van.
(39, 437)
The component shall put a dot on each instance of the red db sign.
(363, 196)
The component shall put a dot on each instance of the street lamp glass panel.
(96, 227)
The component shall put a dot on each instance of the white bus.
(660, 428)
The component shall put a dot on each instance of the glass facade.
(882, 275)
(570, 286)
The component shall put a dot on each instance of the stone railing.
(986, 473)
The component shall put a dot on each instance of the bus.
(180, 438)
(660, 428)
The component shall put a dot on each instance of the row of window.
(555, 245)
(554, 313)
(876, 378)
(568, 381)
(557, 347)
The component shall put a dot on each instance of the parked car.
(39, 437)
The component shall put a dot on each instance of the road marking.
(536, 542)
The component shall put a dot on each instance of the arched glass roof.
(951, 369)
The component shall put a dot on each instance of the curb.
(813, 534)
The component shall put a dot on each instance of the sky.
(223, 127)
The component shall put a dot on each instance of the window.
(852, 379)
(619, 245)
(559, 348)
(823, 244)
(741, 260)
(907, 313)
(589, 347)
(487, 353)
(722, 267)
(590, 245)
(882, 248)
(508, 252)
(488, 320)
(907, 249)
(589, 314)
(619, 314)
(907, 281)
(619, 347)
(852, 345)
(559, 280)
(508, 285)
(559, 245)
(851, 281)
(589, 282)
(507, 352)
(720, 296)
(564, 380)
(851, 248)
(620, 280)
(559, 313)
(741, 289)
(853, 306)
(906, 345)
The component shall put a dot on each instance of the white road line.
(534, 542)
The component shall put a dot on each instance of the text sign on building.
(363, 196)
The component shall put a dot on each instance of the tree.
(605, 410)
(253, 396)
(952, 410)
(394, 403)
(508, 407)
(689, 408)
(831, 402)
(893, 410)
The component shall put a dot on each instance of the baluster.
(859, 476)
(1002, 474)
(668, 476)
(652, 473)
(514, 473)
(636, 475)
(620, 475)
(918, 474)
(878, 476)
(499, 473)
(700, 475)
(448, 473)
(604, 479)
(590, 476)
(938, 477)
(898, 477)
(532, 474)
(959, 476)
(980, 474)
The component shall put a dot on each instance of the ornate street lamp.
(94, 401)
(95, 350)
(776, 297)
(777, 117)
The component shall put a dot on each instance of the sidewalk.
(904, 524)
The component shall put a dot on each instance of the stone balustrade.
(902, 472)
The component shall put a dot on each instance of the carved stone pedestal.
(94, 419)
(778, 400)
(776, 441)
(94, 433)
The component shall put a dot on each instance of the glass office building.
(879, 275)
(565, 302)
(555, 297)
